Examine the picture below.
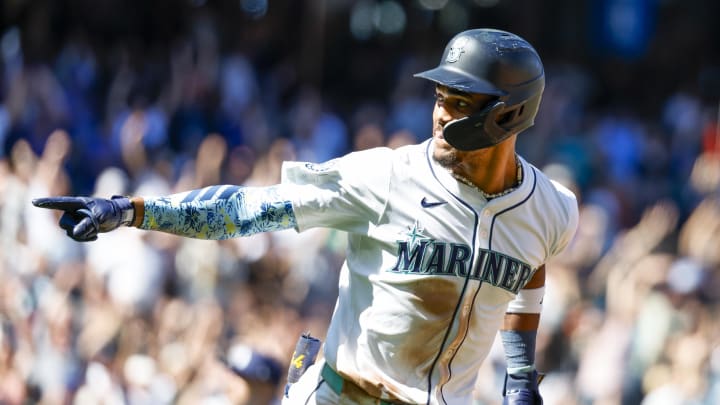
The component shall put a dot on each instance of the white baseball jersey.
(431, 265)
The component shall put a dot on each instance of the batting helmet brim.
(459, 80)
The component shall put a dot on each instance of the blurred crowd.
(632, 311)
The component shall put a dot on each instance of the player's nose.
(442, 116)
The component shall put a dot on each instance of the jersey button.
(487, 213)
(483, 234)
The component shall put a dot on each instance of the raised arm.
(219, 212)
(216, 212)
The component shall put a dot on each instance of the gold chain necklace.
(489, 196)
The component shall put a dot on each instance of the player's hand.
(522, 389)
(85, 217)
(522, 397)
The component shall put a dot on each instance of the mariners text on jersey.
(430, 257)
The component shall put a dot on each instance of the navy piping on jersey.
(467, 277)
(465, 284)
(492, 224)
(477, 291)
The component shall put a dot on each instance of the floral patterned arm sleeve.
(220, 212)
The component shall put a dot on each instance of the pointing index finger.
(59, 203)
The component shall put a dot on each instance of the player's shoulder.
(559, 207)
(367, 164)
(381, 152)
(552, 193)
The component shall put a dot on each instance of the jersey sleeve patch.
(310, 173)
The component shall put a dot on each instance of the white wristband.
(527, 301)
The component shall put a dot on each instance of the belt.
(336, 382)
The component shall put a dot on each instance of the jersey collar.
(472, 196)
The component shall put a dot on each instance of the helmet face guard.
(476, 131)
(493, 62)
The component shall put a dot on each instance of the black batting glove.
(522, 389)
(85, 217)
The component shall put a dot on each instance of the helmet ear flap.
(521, 116)
(511, 115)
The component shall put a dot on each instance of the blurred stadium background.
(150, 97)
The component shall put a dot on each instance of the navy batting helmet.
(494, 62)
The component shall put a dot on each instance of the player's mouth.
(440, 140)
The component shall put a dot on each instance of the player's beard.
(447, 156)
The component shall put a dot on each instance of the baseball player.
(448, 239)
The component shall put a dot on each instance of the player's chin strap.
(478, 131)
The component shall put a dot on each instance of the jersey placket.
(463, 320)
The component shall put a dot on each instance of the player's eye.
(462, 104)
(458, 104)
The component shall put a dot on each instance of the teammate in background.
(448, 239)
